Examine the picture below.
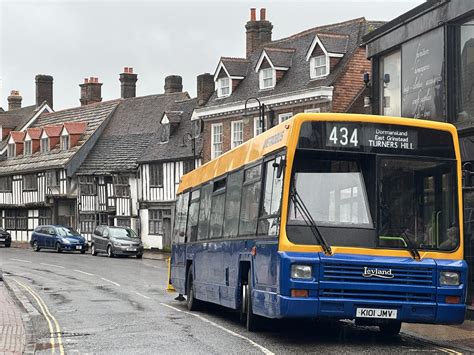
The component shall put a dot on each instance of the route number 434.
(342, 136)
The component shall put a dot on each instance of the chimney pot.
(263, 13)
(90, 91)
(86, 80)
(173, 83)
(14, 100)
(257, 32)
(253, 16)
(44, 89)
(127, 83)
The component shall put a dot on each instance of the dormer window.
(165, 133)
(11, 150)
(224, 87)
(28, 148)
(267, 78)
(319, 66)
(65, 142)
(44, 145)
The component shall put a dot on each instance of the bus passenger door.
(178, 247)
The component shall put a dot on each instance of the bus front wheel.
(391, 328)
(252, 319)
(191, 302)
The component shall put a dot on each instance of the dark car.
(59, 238)
(5, 238)
(116, 241)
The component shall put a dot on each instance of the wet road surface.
(121, 306)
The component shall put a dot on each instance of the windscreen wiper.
(411, 246)
(308, 219)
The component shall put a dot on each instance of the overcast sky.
(71, 40)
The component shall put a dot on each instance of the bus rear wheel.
(191, 302)
(391, 328)
(252, 320)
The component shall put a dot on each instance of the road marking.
(156, 267)
(447, 350)
(83, 272)
(47, 315)
(114, 283)
(59, 266)
(261, 348)
(21, 260)
(139, 294)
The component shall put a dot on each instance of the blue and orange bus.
(330, 216)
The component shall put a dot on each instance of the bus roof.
(278, 137)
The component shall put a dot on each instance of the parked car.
(59, 238)
(116, 241)
(5, 238)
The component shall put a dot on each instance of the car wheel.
(93, 251)
(83, 251)
(391, 328)
(110, 253)
(252, 319)
(191, 302)
(35, 246)
(58, 248)
(7, 245)
(139, 256)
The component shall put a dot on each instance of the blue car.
(58, 238)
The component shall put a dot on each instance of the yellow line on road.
(47, 315)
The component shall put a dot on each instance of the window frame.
(120, 185)
(155, 223)
(257, 127)
(263, 77)
(27, 148)
(11, 150)
(216, 153)
(44, 145)
(222, 87)
(87, 185)
(284, 116)
(65, 142)
(234, 142)
(314, 66)
(217, 191)
(8, 181)
(248, 183)
(30, 182)
(156, 175)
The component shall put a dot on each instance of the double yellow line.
(49, 318)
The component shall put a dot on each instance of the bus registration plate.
(376, 313)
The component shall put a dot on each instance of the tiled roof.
(280, 57)
(236, 66)
(175, 149)
(75, 127)
(17, 136)
(34, 133)
(94, 115)
(334, 43)
(297, 78)
(133, 126)
(174, 116)
(16, 119)
(53, 131)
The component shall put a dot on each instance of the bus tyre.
(252, 319)
(191, 302)
(243, 303)
(391, 328)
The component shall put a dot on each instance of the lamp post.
(191, 138)
(261, 111)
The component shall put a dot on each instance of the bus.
(328, 216)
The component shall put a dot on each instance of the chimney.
(205, 88)
(44, 89)
(257, 32)
(173, 83)
(128, 83)
(90, 91)
(14, 100)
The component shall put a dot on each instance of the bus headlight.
(449, 278)
(301, 272)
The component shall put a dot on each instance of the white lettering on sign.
(392, 139)
(376, 313)
(344, 136)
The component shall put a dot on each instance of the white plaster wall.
(149, 241)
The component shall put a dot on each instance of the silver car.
(116, 241)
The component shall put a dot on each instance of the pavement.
(12, 331)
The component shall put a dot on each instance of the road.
(121, 306)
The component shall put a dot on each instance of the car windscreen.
(67, 232)
(122, 233)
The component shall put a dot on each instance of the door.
(49, 237)
(98, 238)
(167, 232)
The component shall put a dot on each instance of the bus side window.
(217, 209)
(193, 216)
(232, 204)
(270, 211)
(180, 218)
(205, 212)
(250, 201)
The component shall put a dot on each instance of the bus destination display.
(350, 135)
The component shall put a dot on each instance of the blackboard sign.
(422, 76)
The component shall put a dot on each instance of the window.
(179, 231)
(87, 185)
(27, 150)
(11, 150)
(205, 211)
(250, 201)
(390, 84)
(313, 110)
(45, 216)
(64, 142)
(257, 126)
(10, 219)
(267, 79)
(193, 217)
(224, 87)
(188, 165)
(270, 213)
(6, 184)
(466, 73)
(123, 222)
(30, 182)
(232, 204)
(87, 223)
(22, 219)
(237, 132)
(156, 175)
(319, 67)
(52, 177)
(155, 222)
(44, 145)
(122, 189)
(284, 116)
(216, 140)
(217, 209)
